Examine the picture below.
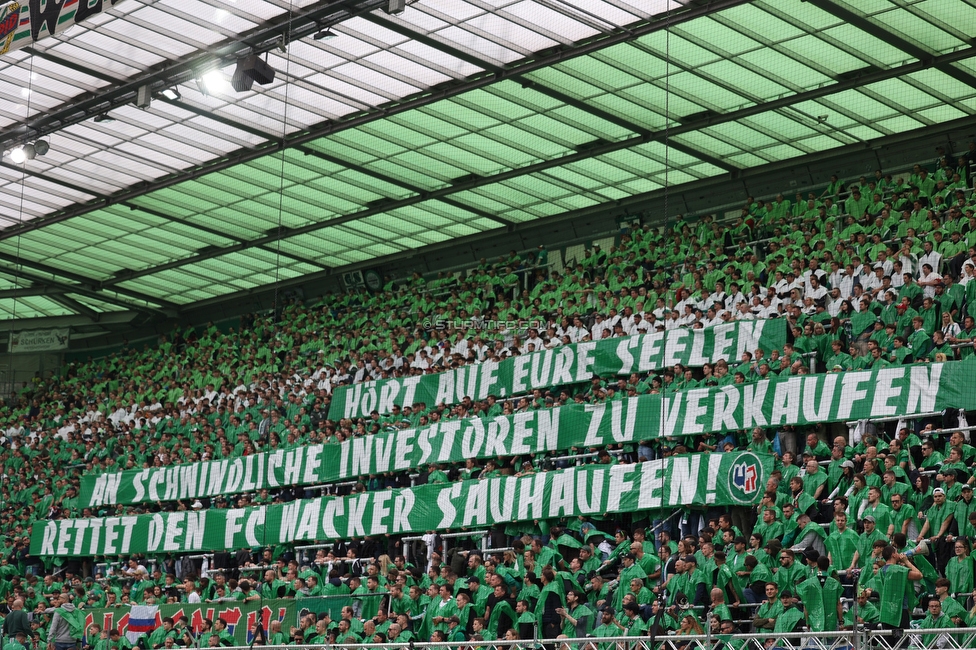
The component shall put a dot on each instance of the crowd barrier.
(934, 639)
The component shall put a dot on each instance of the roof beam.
(23, 169)
(75, 306)
(27, 292)
(167, 309)
(878, 31)
(450, 89)
(84, 286)
(106, 320)
(662, 135)
(71, 65)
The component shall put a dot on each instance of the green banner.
(568, 364)
(241, 617)
(735, 478)
(799, 400)
(167, 532)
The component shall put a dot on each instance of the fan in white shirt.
(627, 320)
(671, 321)
(734, 298)
(928, 279)
(577, 332)
(930, 257)
(599, 326)
(535, 340)
(814, 289)
(640, 325)
(769, 310)
(872, 283)
(834, 302)
(460, 346)
(883, 261)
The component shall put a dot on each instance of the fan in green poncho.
(370, 597)
(820, 595)
(959, 570)
(868, 539)
(789, 619)
(608, 627)
(893, 584)
(502, 616)
(720, 611)
(934, 620)
(439, 610)
(551, 599)
(578, 617)
(950, 606)
(19, 641)
(867, 613)
(790, 571)
(629, 571)
(157, 637)
(842, 544)
(525, 624)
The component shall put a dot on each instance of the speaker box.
(249, 70)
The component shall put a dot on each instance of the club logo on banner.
(744, 478)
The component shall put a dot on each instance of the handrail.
(895, 418)
(941, 432)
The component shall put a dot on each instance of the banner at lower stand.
(735, 478)
(242, 617)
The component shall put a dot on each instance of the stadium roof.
(454, 118)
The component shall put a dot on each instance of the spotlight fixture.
(250, 69)
(21, 154)
(211, 83)
(103, 117)
(324, 35)
(171, 94)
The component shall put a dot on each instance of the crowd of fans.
(867, 274)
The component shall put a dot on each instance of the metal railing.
(896, 418)
(910, 639)
(445, 542)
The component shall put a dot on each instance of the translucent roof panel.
(31, 307)
(412, 130)
(375, 59)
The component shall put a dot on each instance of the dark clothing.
(15, 622)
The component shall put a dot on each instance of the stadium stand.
(874, 529)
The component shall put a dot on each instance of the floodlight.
(212, 83)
